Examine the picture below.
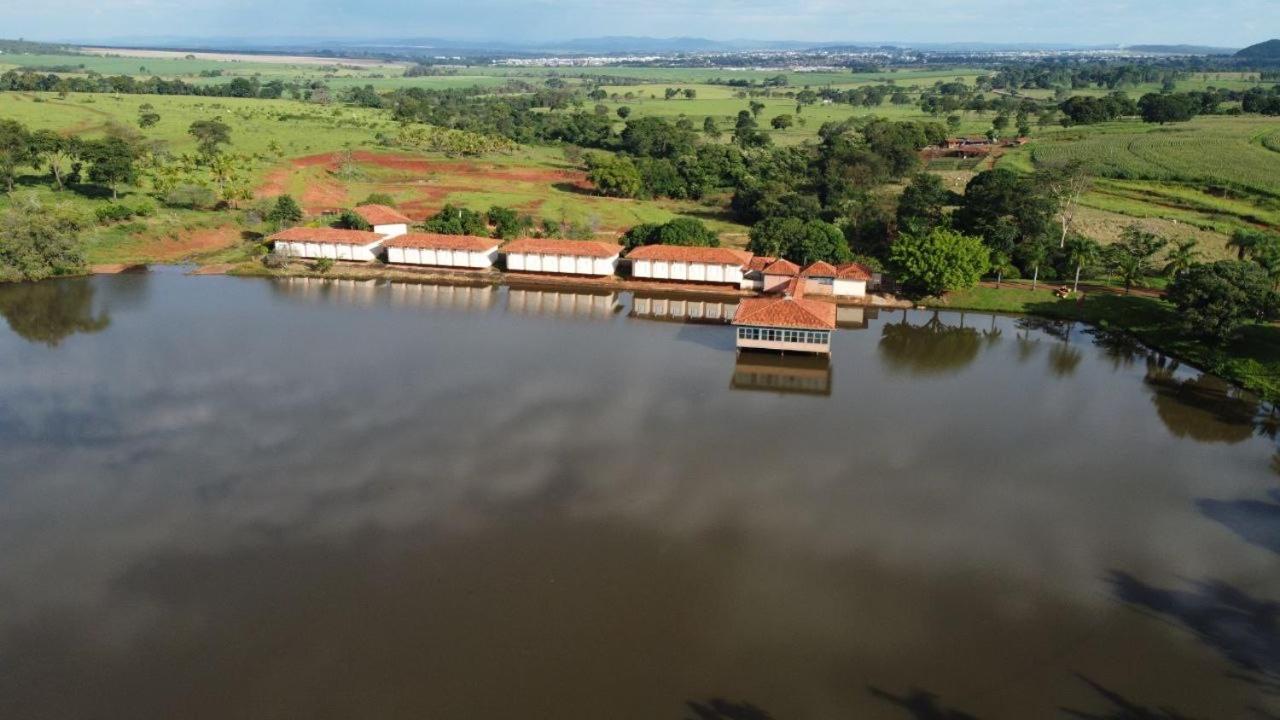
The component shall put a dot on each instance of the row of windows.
(808, 337)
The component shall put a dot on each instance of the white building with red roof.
(851, 280)
(326, 242)
(689, 264)
(565, 257)
(386, 221)
(452, 251)
(786, 323)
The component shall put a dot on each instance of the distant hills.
(1268, 51)
(1181, 49)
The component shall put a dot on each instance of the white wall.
(333, 251)
(692, 272)
(390, 231)
(565, 264)
(851, 288)
(443, 258)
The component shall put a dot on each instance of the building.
(819, 278)
(690, 264)
(566, 257)
(777, 276)
(325, 242)
(452, 251)
(787, 323)
(386, 221)
(851, 280)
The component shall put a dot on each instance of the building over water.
(689, 264)
(787, 323)
(325, 242)
(566, 257)
(454, 251)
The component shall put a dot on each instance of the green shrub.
(323, 265)
(191, 197)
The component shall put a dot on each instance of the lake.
(246, 498)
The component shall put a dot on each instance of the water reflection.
(559, 303)
(479, 298)
(1204, 407)
(51, 311)
(682, 309)
(928, 349)
(771, 372)
(920, 705)
(721, 709)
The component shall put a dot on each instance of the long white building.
(453, 251)
(689, 264)
(324, 242)
(567, 257)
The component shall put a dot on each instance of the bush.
(275, 261)
(191, 197)
(376, 198)
(39, 242)
(323, 265)
(114, 212)
(1215, 300)
(939, 261)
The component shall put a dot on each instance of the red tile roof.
(552, 246)
(760, 262)
(787, 311)
(678, 253)
(782, 267)
(819, 269)
(853, 271)
(333, 236)
(437, 241)
(381, 215)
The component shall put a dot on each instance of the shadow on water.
(721, 709)
(1254, 521)
(1121, 708)
(920, 705)
(1241, 628)
(51, 311)
(933, 348)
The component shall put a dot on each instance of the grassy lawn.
(1252, 361)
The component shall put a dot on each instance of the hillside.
(1269, 51)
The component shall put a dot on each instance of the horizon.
(1087, 23)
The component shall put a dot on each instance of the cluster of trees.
(1262, 101)
(110, 161)
(679, 231)
(1088, 109)
(1062, 73)
(250, 87)
(39, 241)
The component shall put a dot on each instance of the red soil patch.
(274, 184)
(324, 196)
(198, 242)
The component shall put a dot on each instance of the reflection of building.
(386, 221)
(804, 374)
(689, 264)
(564, 304)
(457, 251)
(325, 242)
(454, 297)
(790, 323)
(568, 257)
(855, 316)
(355, 292)
(683, 309)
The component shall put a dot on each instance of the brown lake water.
(242, 498)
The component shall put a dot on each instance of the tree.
(939, 261)
(1162, 108)
(39, 241)
(690, 93)
(507, 223)
(624, 112)
(112, 161)
(922, 206)
(148, 119)
(756, 107)
(1181, 258)
(15, 150)
(799, 241)
(614, 175)
(210, 135)
(687, 232)
(1132, 258)
(1034, 253)
(57, 151)
(285, 212)
(1244, 241)
(1005, 209)
(1215, 300)
(953, 123)
(350, 220)
(782, 122)
(453, 220)
(1066, 183)
(710, 128)
(1082, 252)
(1002, 265)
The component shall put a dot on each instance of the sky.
(1225, 23)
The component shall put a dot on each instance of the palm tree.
(1001, 265)
(1180, 259)
(1244, 241)
(1035, 253)
(1081, 252)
